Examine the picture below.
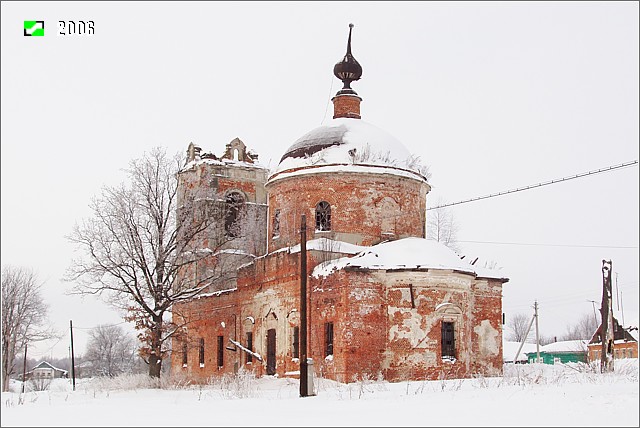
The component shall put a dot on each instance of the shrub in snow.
(243, 384)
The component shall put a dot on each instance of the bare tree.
(583, 329)
(518, 325)
(442, 227)
(142, 249)
(24, 316)
(111, 350)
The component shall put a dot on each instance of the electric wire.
(533, 186)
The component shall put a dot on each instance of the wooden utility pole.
(606, 315)
(303, 308)
(73, 364)
(24, 367)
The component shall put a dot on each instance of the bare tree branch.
(24, 316)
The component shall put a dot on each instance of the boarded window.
(234, 209)
(249, 346)
(220, 351)
(448, 340)
(323, 216)
(296, 342)
(328, 338)
(201, 352)
(184, 353)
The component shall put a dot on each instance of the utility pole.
(606, 312)
(24, 367)
(303, 308)
(524, 339)
(593, 303)
(73, 364)
(535, 307)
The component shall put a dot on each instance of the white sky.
(492, 96)
(527, 395)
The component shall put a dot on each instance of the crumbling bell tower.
(229, 191)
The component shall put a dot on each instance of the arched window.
(234, 209)
(323, 216)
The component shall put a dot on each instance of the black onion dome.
(348, 69)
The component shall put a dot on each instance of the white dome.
(345, 141)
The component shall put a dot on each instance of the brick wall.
(365, 208)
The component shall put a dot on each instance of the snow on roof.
(407, 253)
(330, 245)
(345, 141)
(509, 350)
(221, 162)
(565, 346)
(349, 168)
(45, 364)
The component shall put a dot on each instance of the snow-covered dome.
(350, 142)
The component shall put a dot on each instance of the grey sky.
(492, 96)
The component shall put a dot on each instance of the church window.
(276, 223)
(328, 339)
(201, 354)
(448, 340)
(234, 208)
(184, 354)
(323, 216)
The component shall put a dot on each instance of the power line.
(550, 245)
(545, 183)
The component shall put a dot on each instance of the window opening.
(234, 205)
(220, 351)
(249, 346)
(276, 224)
(328, 339)
(296, 342)
(323, 216)
(448, 340)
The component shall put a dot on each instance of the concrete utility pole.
(524, 339)
(606, 312)
(535, 307)
(304, 391)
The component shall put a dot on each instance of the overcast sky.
(492, 96)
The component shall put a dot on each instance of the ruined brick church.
(382, 299)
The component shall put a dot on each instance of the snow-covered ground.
(527, 395)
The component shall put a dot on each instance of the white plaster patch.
(409, 329)
(366, 309)
(362, 294)
(487, 338)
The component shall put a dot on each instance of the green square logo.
(34, 28)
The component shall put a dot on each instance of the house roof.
(46, 365)
(564, 346)
(619, 334)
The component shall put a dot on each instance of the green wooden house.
(567, 351)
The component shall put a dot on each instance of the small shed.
(566, 351)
